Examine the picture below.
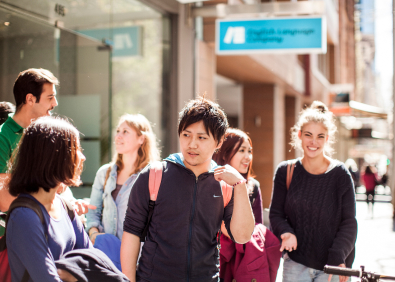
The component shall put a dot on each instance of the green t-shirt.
(10, 134)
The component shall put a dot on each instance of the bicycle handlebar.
(361, 273)
(342, 271)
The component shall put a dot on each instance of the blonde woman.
(135, 145)
(315, 217)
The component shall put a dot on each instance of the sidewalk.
(375, 247)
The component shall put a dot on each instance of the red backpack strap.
(290, 171)
(227, 191)
(155, 178)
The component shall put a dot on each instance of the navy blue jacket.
(182, 239)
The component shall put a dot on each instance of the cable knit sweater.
(320, 211)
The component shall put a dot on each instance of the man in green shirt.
(35, 96)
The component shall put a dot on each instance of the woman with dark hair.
(370, 179)
(48, 159)
(236, 151)
(235, 259)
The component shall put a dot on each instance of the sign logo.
(122, 41)
(235, 35)
(297, 35)
(126, 41)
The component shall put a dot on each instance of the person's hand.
(93, 237)
(82, 207)
(341, 278)
(228, 174)
(65, 276)
(289, 242)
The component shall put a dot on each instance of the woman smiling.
(315, 215)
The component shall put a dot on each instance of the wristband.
(94, 232)
(239, 182)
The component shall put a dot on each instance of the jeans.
(296, 272)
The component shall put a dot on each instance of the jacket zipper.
(190, 231)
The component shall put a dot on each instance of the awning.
(358, 109)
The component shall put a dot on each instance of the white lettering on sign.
(122, 41)
(235, 34)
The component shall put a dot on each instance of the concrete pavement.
(375, 247)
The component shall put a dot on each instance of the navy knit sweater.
(320, 211)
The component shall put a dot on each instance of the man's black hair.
(31, 81)
(5, 109)
(202, 109)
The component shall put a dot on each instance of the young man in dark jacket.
(182, 239)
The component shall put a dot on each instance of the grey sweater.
(320, 211)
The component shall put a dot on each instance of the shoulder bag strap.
(154, 181)
(155, 178)
(290, 171)
(226, 192)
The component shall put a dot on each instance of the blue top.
(28, 248)
(109, 215)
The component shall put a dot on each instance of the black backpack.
(33, 205)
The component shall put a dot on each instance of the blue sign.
(126, 41)
(279, 35)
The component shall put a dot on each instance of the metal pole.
(393, 109)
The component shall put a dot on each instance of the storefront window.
(108, 56)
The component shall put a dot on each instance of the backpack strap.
(290, 171)
(155, 178)
(227, 191)
(154, 181)
(26, 203)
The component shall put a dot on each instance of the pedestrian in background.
(370, 179)
(315, 216)
(37, 173)
(6, 108)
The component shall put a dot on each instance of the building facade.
(264, 93)
(151, 56)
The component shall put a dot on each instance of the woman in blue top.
(135, 146)
(49, 158)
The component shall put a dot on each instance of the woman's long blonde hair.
(148, 152)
